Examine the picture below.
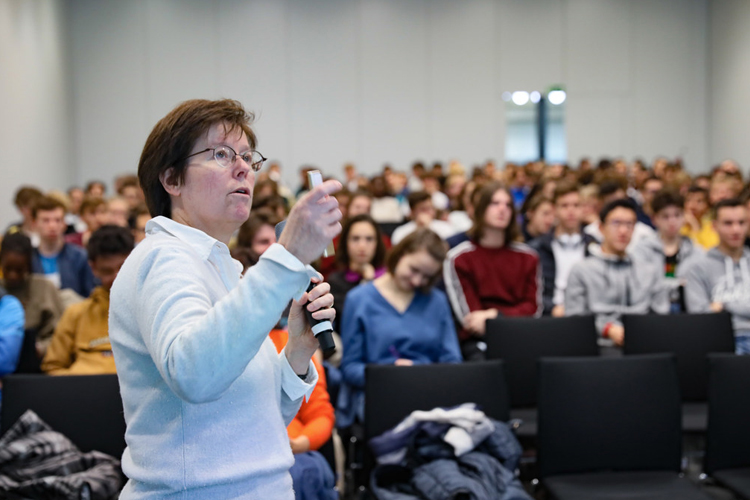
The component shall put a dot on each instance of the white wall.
(730, 81)
(375, 81)
(35, 120)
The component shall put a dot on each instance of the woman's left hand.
(302, 343)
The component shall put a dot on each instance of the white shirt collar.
(202, 243)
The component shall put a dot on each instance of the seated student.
(561, 248)
(63, 264)
(11, 333)
(611, 190)
(698, 222)
(422, 215)
(80, 344)
(360, 260)
(667, 248)
(93, 215)
(40, 299)
(651, 185)
(25, 199)
(311, 428)
(396, 319)
(258, 232)
(538, 217)
(609, 282)
(720, 279)
(492, 273)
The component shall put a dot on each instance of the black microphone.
(321, 328)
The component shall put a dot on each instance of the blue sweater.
(373, 331)
(11, 332)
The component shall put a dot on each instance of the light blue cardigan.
(206, 396)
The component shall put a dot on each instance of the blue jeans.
(742, 344)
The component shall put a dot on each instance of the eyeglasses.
(225, 156)
(617, 224)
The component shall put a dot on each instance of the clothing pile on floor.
(37, 462)
(446, 454)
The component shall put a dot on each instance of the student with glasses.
(206, 395)
(609, 283)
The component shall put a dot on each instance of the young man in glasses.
(610, 283)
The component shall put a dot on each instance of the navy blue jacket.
(543, 247)
(73, 266)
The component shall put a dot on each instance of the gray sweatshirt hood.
(716, 277)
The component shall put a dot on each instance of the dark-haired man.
(561, 248)
(80, 344)
(62, 263)
(611, 190)
(609, 283)
(720, 279)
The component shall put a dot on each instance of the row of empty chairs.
(608, 427)
(521, 342)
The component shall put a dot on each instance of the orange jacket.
(315, 417)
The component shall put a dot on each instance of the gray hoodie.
(715, 277)
(651, 250)
(608, 286)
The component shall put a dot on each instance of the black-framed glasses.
(224, 156)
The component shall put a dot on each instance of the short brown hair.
(667, 198)
(421, 239)
(90, 204)
(482, 201)
(46, 204)
(342, 252)
(258, 218)
(564, 188)
(417, 197)
(27, 196)
(175, 135)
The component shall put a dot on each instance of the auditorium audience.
(649, 188)
(561, 248)
(720, 279)
(118, 210)
(80, 344)
(63, 264)
(40, 299)
(492, 273)
(667, 248)
(385, 207)
(609, 283)
(96, 189)
(398, 318)
(698, 222)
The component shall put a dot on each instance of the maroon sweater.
(507, 279)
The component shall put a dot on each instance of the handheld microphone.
(321, 328)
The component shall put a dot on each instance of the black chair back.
(85, 408)
(691, 337)
(521, 342)
(728, 439)
(393, 392)
(608, 414)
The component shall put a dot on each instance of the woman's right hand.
(365, 270)
(313, 223)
